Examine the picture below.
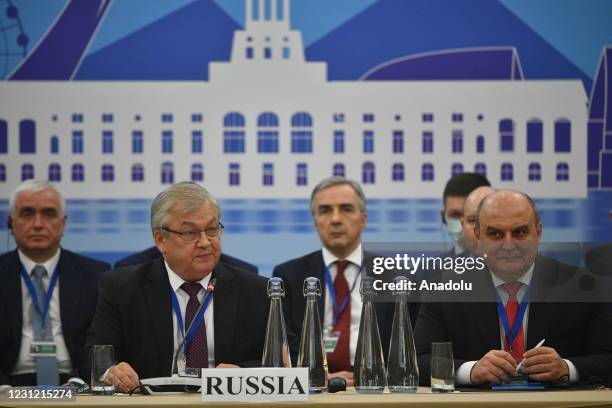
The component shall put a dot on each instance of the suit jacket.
(153, 253)
(579, 332)
(78, 290)
(293, 273)
(134, 314)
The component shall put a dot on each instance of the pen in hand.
(520, 365)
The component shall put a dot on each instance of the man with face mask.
(453, 198)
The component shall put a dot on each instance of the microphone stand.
(176, 383)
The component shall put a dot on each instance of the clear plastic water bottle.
(276, 348)
(312, 352)
(369, 373)
(402, 366)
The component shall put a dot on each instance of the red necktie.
(339, 360)
(512, 307)
(197, 353)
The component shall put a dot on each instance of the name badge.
(254, 384)
(330, 341)
(43, 349)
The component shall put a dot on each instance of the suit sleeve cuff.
(462, 376)
(574, 377)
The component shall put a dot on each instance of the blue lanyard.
(197, 320)
(30, 285)
(511, 333)
(337, 312)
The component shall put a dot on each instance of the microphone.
(209, 290)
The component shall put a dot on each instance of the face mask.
(454, 231)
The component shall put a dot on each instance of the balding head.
(508, 230)
(469, 214)
(507, 196)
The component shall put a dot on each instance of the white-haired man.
(48, 294)
(145, 310)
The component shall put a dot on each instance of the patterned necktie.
(46, 366)
(197, 353)
(512, 307)
(339, 360)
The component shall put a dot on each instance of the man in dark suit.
(153, 253)
(37, 220)
(140, 308)
(338, 209)
(490, 338)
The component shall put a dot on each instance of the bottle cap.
(312, 286)
(275, 287)
(367, 285)
(401, 286)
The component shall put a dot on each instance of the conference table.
(565, 398)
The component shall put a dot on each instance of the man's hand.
(495, 366)
(123, 377)
(225, 365)
(545, 364)
(347, 375)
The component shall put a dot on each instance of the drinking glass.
(102, 358)
(442, 367)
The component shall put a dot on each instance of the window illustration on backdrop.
(197, 172)
(78, 173)
(137, 172)
(427, 172)
(267, 133)
(233, 133)
(27, 172)
(167, 173)
(506, 135)
(368, 173)
(301, 133)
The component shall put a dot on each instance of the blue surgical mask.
(455, 232)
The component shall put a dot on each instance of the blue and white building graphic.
(600, 125)
(269, 124)
(114, 101)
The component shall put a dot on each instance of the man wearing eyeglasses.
(145, 310)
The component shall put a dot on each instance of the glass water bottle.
(369, 373)
(402, 367)
(312, 352)
(276, 348)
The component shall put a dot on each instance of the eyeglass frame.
(199, 232)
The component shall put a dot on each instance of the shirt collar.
(354, 257)
(50, 264)
(176, 281)
(525, 279)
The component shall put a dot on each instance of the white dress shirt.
(463, 372)
(182, 296)
(25, 362)
(352, 276)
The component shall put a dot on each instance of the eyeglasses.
(190, 236)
